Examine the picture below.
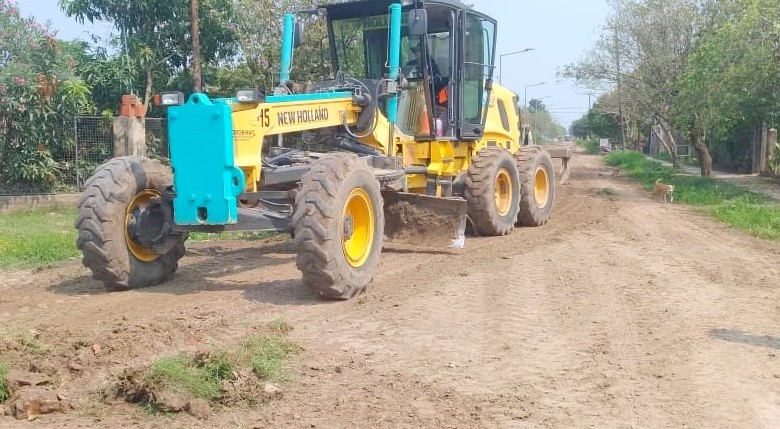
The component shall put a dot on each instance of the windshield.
(361, 45)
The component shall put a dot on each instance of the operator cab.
(438, 101)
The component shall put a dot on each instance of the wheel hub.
(147, 226)
(541, 187)
(503, 192)
(349, 227)
(358, 227)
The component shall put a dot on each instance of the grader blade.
(424, 220)
(564, 152)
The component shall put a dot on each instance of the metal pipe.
(394, 60)
(288, 31)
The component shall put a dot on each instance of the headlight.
(250, 96)
(171, 99)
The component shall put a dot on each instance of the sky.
(559, 31)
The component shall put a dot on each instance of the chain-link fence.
(85, 142)
(94, 145)
(157, 138)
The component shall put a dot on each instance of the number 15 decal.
(264, 118)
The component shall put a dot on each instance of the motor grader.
(421, 144)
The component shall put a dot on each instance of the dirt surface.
(621, 312)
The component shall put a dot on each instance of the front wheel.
(338, 225)
(124, 226)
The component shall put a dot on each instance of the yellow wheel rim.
(503, 192)
(541, 187)
(140, 200)
(358, 227)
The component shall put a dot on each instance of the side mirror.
(298, 34)
(418, 22)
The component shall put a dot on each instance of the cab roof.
(377, 7)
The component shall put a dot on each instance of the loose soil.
(621, 312)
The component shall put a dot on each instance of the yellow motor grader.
(421, 145)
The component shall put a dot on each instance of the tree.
(732, 80)
(38, 95)
(156, 33)
(598, 122)
(542, 123)
(259, 31)
(642, 58)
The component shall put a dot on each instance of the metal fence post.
(76, 139)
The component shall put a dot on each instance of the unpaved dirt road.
(620, 313)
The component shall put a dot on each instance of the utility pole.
(619, 95)
(196, 75)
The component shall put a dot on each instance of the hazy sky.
(560, 31)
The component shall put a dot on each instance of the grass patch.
(198, 378)
(607, 191)
(686, 160)
(267, 356)
(17, 339)
(734, 205)
(5, 392)
(280, 326)
(37, 238)
(591, 146)
(201, 376)
(30, 239)
(760, 220)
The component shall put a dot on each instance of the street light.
(501, 57)
(525, 93)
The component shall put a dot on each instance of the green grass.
(759, 220)
(687, 160)
(37, 238)
(17, 339)
(5, 392)
(279, 326)
(267, 356)
(734, 205)
(186, 375)
(30, 239)
(200, 377)
(591, 146)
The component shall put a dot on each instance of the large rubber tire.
(323, 218)
(102, 218)
(493, 191)
(537, 185)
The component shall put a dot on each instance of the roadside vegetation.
(591, 146)
(37, 238)
(728, 203)
(5, 393)
(685, 160)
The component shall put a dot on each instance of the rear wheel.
(493, 191)
(124, 226)
(537, 185)
(338, 225)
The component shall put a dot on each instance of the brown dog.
(663, 190)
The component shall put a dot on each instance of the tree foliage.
(155, 34)
(543, 125)
(597, 123)
(38, 96)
